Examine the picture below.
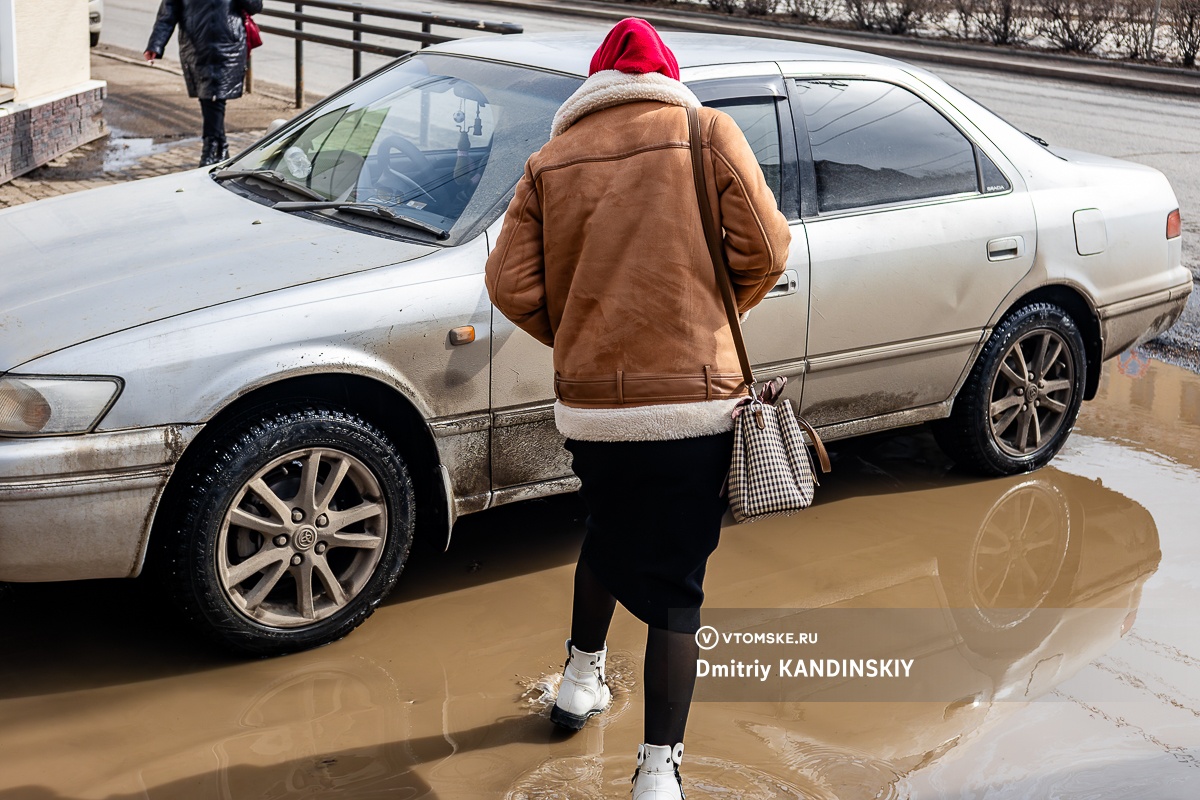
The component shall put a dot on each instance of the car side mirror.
(275, 125)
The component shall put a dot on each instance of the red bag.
(253, 34)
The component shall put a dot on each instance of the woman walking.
(603, 257)
(212, 49)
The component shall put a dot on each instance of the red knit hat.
(634, 46)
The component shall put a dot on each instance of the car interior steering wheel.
(420, 164)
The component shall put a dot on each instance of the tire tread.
(963, 434)
(200, 602)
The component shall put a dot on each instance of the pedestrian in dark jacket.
(212, 49)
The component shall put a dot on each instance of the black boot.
(223, 148)
(211, 152)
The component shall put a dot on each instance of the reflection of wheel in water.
(1020, 564)
(301, 723)
(1019, 552)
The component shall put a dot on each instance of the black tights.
(213, 112)
(669, 673)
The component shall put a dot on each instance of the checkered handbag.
(771, 473)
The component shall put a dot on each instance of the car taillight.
(1174, 224)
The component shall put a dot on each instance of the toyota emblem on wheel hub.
(305, 538)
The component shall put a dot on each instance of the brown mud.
(1068, 654)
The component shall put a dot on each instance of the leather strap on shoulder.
(717, 253)
(715, 250)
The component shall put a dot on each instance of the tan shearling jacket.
(602, 256)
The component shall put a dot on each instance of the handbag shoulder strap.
(715, 250)
(818, 445)
(717, 254)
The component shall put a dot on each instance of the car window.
(991, 178)
(436, 138)
(759, 121)
(875, 143)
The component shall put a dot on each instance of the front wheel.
(295, 526)
(1022, 397)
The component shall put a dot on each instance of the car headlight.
(44, 405)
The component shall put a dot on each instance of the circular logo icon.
(305, 537)
(707, 637)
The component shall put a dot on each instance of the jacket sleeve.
(516, 269)
(164, 26)
(757, 236)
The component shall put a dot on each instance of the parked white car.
(259, 380)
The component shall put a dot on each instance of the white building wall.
(48, 103)
(50, 41)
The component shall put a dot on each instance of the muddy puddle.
(123, 150)
(1066, 658)
(119, 154)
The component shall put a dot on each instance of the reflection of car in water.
(404, 711)
(1035, 577)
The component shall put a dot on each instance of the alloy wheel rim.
(1031, 393)
(301, 538)
(1019, 553)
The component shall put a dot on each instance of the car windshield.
(434, 139)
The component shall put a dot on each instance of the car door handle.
(1005, 248)
(787, 284)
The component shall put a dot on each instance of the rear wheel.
(295, 526)
(1022, 397)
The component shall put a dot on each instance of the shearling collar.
(610, 87)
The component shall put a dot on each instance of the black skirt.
(654, 518)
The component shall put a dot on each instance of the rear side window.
(759, 121)
(875, 143)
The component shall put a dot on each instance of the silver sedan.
(261, 381)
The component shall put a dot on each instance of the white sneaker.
(657, 773)
(584, 691)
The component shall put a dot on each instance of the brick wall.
(30, 137)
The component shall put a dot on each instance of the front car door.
(528, 458)
(917, 229)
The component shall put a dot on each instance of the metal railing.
(357, 28)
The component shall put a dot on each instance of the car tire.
(95, 38)
(293, 527)
(993, 429)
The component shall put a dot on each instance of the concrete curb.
(274, 90)
(1163, 80)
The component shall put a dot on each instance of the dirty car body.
(304, 369)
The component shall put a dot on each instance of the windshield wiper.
(366, 210)
(271, 176)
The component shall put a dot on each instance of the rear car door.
(777, 329)
(916, 234)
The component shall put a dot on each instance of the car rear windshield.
(434, 138)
